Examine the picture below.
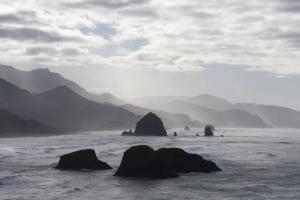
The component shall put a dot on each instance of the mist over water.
(256, 164)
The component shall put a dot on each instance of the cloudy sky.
(241, 50)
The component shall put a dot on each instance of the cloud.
(32, 34)
(134, 44)
(105, 30)
(109, 4)
(291, 6)
(20, 17)
(10, 18)
(140, 12)
(169, 35)
(40, 50)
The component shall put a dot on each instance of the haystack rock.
(208, 130)
(144, 162)
(150, 125)
(82, 159)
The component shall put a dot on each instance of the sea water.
(256, 164)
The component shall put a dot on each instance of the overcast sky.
(241, 50)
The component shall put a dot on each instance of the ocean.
(256, 164)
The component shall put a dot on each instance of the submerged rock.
(149, 125)
(82, 159)
(208, 130)
(144, 162)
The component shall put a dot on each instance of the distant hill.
(12, 124)
(227, 118)
(210, 101)
(204, 100)
(274, 116)
(190, 110)
(106, 97)
(171, 120)
(64, 109)
(42, 80)
(212, 109)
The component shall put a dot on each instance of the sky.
(240, 50)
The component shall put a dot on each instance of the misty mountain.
(274, 116)
(171, 120)
(204, 100)
(64, 109)
(42, 80)
(210, 101)
(204, 108)
(13, 124)
(106, 98)
(227, 118)
(215, 110)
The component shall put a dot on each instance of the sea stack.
(82, 159)
(150, 125)
(144, 162)
(141, 162)
(208, 130)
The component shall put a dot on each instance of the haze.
(241, 51)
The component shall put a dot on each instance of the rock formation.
(149, 125)
(208, 130)
(82, 159)
(144, 162)
(127, 133)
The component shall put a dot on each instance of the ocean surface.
(256, 164)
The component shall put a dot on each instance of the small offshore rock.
(82, 159)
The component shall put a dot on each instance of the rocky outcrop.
(150, 124)
(183, 162)
(82, 159)
(208, 130)
(141, 162)
(127, 133)
(144, 162)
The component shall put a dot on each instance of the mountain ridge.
(42, 80)
(64, 109)
(13, 124)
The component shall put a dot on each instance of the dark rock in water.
(175, 134)
(82, 159)
(149, 125)
(127, 133)
(143, 162)
(183, 162)
(208, 130)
